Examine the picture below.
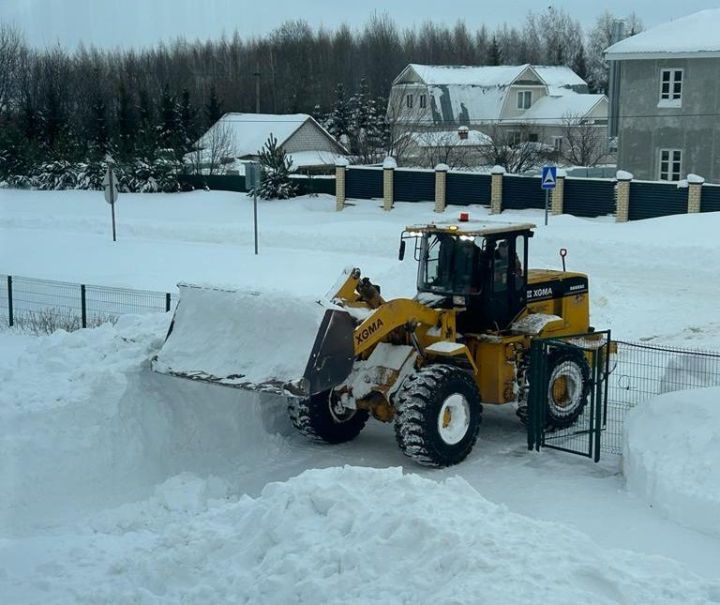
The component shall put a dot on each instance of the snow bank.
(85, 423)
(672, 448)
(342, 535)
(240, 337)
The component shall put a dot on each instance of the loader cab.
(479, 269)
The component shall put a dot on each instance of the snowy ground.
(129, 486)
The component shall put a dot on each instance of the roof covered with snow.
(557, 109)
(462, 94)
(244, 134)
(450, 138)
(694, 35)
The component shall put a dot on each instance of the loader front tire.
(321, 419)
(438, 415)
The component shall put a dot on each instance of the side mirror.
(401, 252)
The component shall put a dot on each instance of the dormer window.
(524, 99)
(409, 101)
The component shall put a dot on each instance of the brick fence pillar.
(496, 187)
(622, 208)
(341, 165)
(695, 184)
(389, 165)
(557, 197)
(441, 171)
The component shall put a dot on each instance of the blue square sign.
(548, 177)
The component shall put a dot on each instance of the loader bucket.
(257, 341)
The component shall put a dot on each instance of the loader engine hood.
(262, 341)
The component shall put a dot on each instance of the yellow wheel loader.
(426, 363)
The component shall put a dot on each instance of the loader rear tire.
(438, 415)
(319, 419)
(568, 388)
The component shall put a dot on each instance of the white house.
(534, 103)
(238, 137)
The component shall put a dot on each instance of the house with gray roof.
(665, 99)
(237, 138)
(534, 103)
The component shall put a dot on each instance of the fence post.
(167, 301)
(695, 184)
(496, 187)
(558, 194)
(622, 208)
(83, 308)
(341, 165)
(10, 300)
(441, 171)
(389, 166)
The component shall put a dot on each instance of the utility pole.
(257, 87)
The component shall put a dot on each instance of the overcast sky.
(139, 23)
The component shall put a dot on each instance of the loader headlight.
(459, 301)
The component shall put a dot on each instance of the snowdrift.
(672, 448)
(85, 424)
(343, 535)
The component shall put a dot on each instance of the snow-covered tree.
(340, 119)
(601, 36)
(275, 182)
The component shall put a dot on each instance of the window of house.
(423, 101)
(533, 137)
(514, 137)
(670, 164)
(671, 81)
(524, 99)
(558, 144)
(409, 101)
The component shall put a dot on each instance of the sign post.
(253, 174)
(548, 180)
(111, 190)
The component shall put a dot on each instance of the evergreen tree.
(188, 123)
(169, 130)
(213, 108)
(275, 183)
(99, 132)
(339, 123)
(126, 123)
(146, 137)
(579, 65)
(494, 55)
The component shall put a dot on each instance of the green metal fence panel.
(589, 197)
(311, 185)
(215, 182)
(364, 183)
(414, 185)
(651, 200)
(710, 198)
(465, 188)
(520, 192)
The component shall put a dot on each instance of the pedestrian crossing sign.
(548, 178)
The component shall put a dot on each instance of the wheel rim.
(454, 419)
(565, 389)
(338, 411)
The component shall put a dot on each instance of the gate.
(567, 403)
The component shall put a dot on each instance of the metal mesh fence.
(639, 372)
(44, 306)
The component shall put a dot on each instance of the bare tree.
(11, 46)
(214, 151)
(585, 142)
(511, 148)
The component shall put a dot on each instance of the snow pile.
(240, 337)
(85, 423)
(341, 535)
(672, 448)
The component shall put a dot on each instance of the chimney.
(463, 133)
